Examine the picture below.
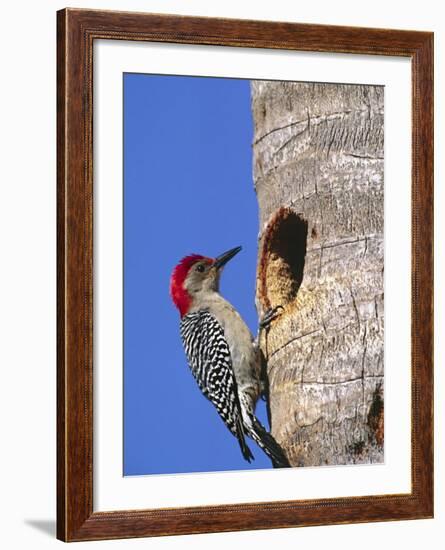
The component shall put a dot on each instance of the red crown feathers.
(179, 294)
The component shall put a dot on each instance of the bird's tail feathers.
(247, 453)
(268, 444)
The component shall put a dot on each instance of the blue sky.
(187, 188)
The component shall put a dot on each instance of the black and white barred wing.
(209, 359)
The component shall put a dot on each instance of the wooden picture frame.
(76, 32)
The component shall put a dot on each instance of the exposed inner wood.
(282, 259)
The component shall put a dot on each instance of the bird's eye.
(200, 268)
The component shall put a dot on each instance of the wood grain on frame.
(76, 31)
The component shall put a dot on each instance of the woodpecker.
(221, 352)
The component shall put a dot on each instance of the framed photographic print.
(245, 225)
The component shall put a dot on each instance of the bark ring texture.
(318, 172)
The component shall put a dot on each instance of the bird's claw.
(270, 315)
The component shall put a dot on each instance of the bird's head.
(195, 275)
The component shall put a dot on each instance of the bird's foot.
(270, 315)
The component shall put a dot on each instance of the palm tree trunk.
(318, 171)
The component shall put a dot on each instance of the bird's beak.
(222, 259)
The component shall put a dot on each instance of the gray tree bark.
(318, 171)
